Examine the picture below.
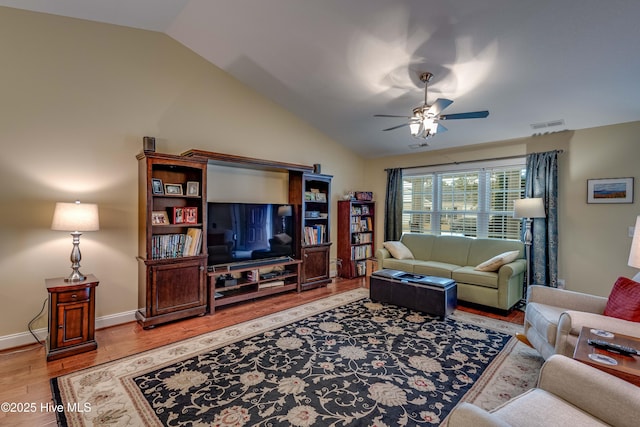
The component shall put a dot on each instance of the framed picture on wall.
(610, 190)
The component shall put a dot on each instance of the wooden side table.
(71, 317)
(625, 367)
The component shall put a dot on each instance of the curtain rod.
(471, 161)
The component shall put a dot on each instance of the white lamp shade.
(634, 253)
(284, 210)
(75, 217)
(528, 208)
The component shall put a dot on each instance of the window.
(466, 200)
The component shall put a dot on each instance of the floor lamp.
(528, 209)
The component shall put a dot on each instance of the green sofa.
(456, 257)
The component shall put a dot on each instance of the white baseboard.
(25, 338)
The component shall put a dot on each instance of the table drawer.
(74, 296)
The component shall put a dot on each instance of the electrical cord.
(34, 319)
(30, 327)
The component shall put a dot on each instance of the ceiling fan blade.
(389, 115)
(396, 127)
(440, 128)
(470, 115)
(438, 106)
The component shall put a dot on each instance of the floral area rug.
(340, 361)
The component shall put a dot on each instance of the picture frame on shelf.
(178, 215)
(173, 189)
(364, 196)
(159, 218)
(309, 196)
(193, 188)
(610, 190)
(321, 197)
(190, 215)
(156, 186)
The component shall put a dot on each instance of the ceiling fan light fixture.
(425, 121)
(415, 127)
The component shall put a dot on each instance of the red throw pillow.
(624, 300)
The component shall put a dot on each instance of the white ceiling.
(336, 63)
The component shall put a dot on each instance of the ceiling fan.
(425, 121)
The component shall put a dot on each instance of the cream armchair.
(554, 317)
(569, 393)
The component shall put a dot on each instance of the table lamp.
(76, 218)
(634, 253)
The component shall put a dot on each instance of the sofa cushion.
(451, 250)
(483, 249)
(398, 250)
(525, 410)
(494, 263)
(399, 264)
(624, 300)
(420, 245)
(434, 268)
(471, 276)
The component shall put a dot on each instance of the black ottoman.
(428, 294)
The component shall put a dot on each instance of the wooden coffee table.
(625, 367)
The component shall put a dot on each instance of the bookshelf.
(310, 194)
(172, 254)
(356, 236)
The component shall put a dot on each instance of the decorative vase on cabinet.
(171, 239)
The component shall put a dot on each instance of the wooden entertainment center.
(174, 279)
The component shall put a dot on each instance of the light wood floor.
(25, 373)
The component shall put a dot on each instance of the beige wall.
(593, 239)
(77, 98)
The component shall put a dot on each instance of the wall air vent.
(544, 125)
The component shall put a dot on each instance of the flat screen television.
(239, 232)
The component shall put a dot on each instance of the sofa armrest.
(466, 414)
(604, 396)
(512, 269)
(381, 254)
(567, 299)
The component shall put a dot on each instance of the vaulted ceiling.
(556, 65)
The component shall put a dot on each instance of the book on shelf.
(361, 224)
(361, 237)
(315, 234)
(360, 210)
(195, 243)
(361, 252)
(165, 246)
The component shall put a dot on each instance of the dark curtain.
(393, 205)
(542, 181)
